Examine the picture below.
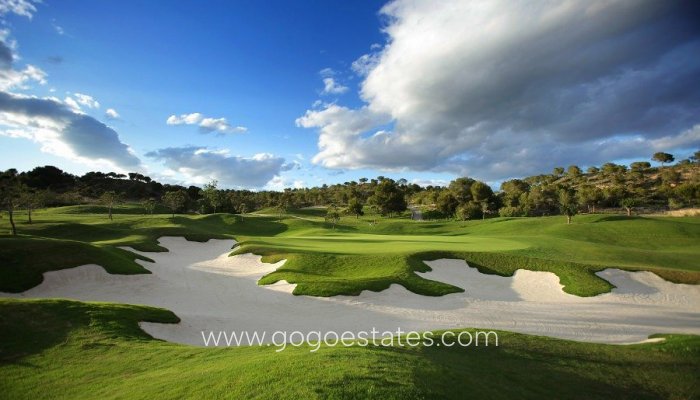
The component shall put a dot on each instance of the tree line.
(565, 191)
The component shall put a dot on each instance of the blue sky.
(413, 89)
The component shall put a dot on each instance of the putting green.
(358, 243)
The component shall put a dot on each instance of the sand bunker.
(210, 291)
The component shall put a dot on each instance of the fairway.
(364, 253)
(362, 243)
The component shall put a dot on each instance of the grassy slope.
(358, 256)
(63, 349)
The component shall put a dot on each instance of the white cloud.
(220, 125)
(330, 86)
(87, 101)
(279, 183)
(500, 88)
(363, 65)
(112, 113)
(25, 8)
(184, 119)
(59, 127)
(18, 79)
(73, 104)
(63, 132)
(430, 182)
(200, 165)
(206, 124)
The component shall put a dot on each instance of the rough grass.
(368, 253)
(62, 349)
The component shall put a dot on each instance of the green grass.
(360, 254)
(65, 349)
(62, 349)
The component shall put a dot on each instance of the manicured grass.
(62, 349)
(368, 253)
(25, 259)
(320, 260)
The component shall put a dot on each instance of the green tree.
(573, 171)
(447, 203)
(640, 166)
(663, 157)
(481, 192)
(670, 176)
(629, 203)
(31, 200)
(355, 207)
(468, 211)
(332, 216)
(149, 205)
(589, 196)
(285, 203)
(212, 195)
(175, 200)
(558, 171)
(512, 190)
(567, 204)
(110, 199)
(10, 194)
(609, 168)
(388, 197)
(461, 188)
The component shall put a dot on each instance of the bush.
(469, 210)
(511, 212)
(433, 214)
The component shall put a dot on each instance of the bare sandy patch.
(211, 291)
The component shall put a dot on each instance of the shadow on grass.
(29, 327)
(498, 372)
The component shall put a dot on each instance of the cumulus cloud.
(206, 124)
(200, 164)
(501, 88)
(111, 114)
(62, 131)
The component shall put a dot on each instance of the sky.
(275, 94)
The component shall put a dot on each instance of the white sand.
(210, 291)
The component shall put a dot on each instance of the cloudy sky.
(279, 94)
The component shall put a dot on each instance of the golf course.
(46, 340)
(349, 200)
